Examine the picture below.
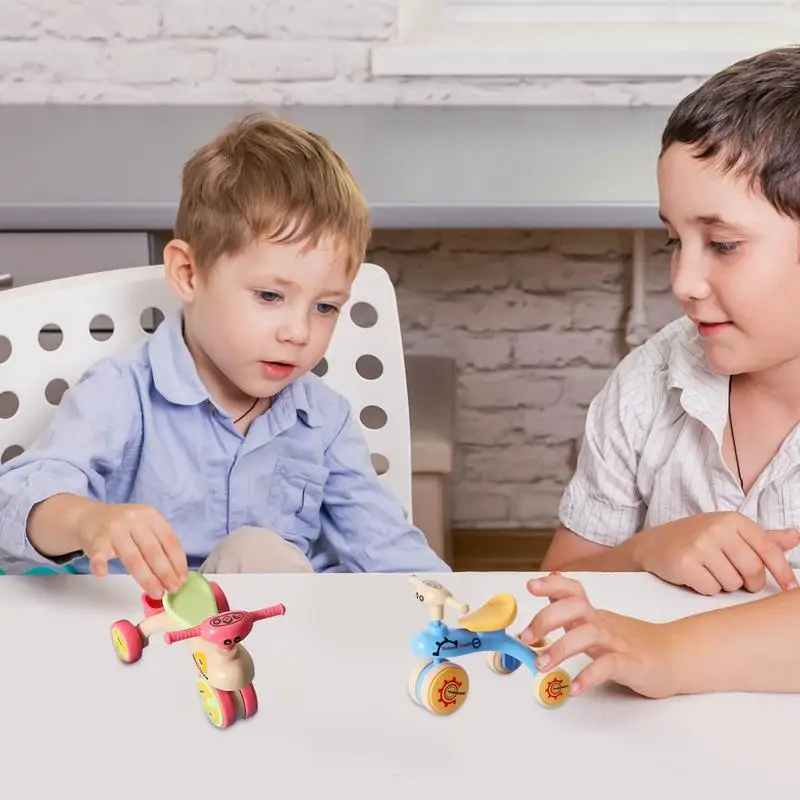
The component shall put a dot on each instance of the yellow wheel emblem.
(119, 644)
(446, 687)
(554, 687)
(210, 702)
(201, 663)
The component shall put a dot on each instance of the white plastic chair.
(364, 361)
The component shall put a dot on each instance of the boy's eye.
(672, 243)
(268, 297)
(724, 247)
(326, 308)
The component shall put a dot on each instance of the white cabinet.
(33, 257)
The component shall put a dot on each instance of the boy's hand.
(141, 539)
(720, 551)
(627, 651)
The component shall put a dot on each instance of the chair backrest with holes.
(51, 332)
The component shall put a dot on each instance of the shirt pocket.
(298, 491)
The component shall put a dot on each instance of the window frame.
(596, 39)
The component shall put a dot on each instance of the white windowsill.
(593, 51)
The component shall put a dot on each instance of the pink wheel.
(249, 700)
(127, 641)
(219, 597)
(219, 706)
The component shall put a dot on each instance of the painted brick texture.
(260, 51)
(535, 321)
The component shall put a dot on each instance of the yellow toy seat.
(498, 612)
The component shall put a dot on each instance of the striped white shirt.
(652, 449)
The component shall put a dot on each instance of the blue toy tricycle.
(441, 686)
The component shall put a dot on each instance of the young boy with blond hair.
(212, 445)
(690, 467)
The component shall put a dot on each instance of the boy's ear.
(180, 268)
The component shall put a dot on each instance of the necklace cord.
(255, 402)
(733, 437)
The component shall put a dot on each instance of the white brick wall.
(534, 318)
(265, 51)
(535, 321)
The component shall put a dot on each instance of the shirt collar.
(176, 379)
(174, 371)
(299, 394)
(704, 392)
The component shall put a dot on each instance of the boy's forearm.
(752, 647)
(622, 558)
(54, 525)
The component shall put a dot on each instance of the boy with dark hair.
(691, 464)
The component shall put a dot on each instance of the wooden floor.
(518, 550)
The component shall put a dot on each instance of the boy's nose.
(294, 330)
(689, 281)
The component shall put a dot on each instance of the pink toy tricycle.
(199, 613)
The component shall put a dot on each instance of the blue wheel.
(501, 663)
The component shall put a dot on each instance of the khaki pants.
(251, 550)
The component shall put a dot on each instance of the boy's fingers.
(556, 587)
(747, 563)
(785, 538)
(156, 559)
(702, 580)
(130, 555)
(728, 566)
(172, 546)
(771, 550)
(606, 668)
(575, 641)
(99, 557)
(557, 615)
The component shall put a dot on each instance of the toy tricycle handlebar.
(462, 608)
(434, 594)
(227, 629)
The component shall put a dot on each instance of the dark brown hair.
(747, 118)
(266, 178)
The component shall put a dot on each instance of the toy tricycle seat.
(193, 603)
(494, 615)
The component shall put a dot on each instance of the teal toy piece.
(41, 570)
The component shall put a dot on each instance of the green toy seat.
(193, 603)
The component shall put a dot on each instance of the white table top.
(334, 711)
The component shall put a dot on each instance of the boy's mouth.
(277, 370)
(711, 328)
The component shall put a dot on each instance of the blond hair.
(266, 178)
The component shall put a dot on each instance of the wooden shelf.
(499, 550)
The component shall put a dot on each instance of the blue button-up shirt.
(142, 428)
